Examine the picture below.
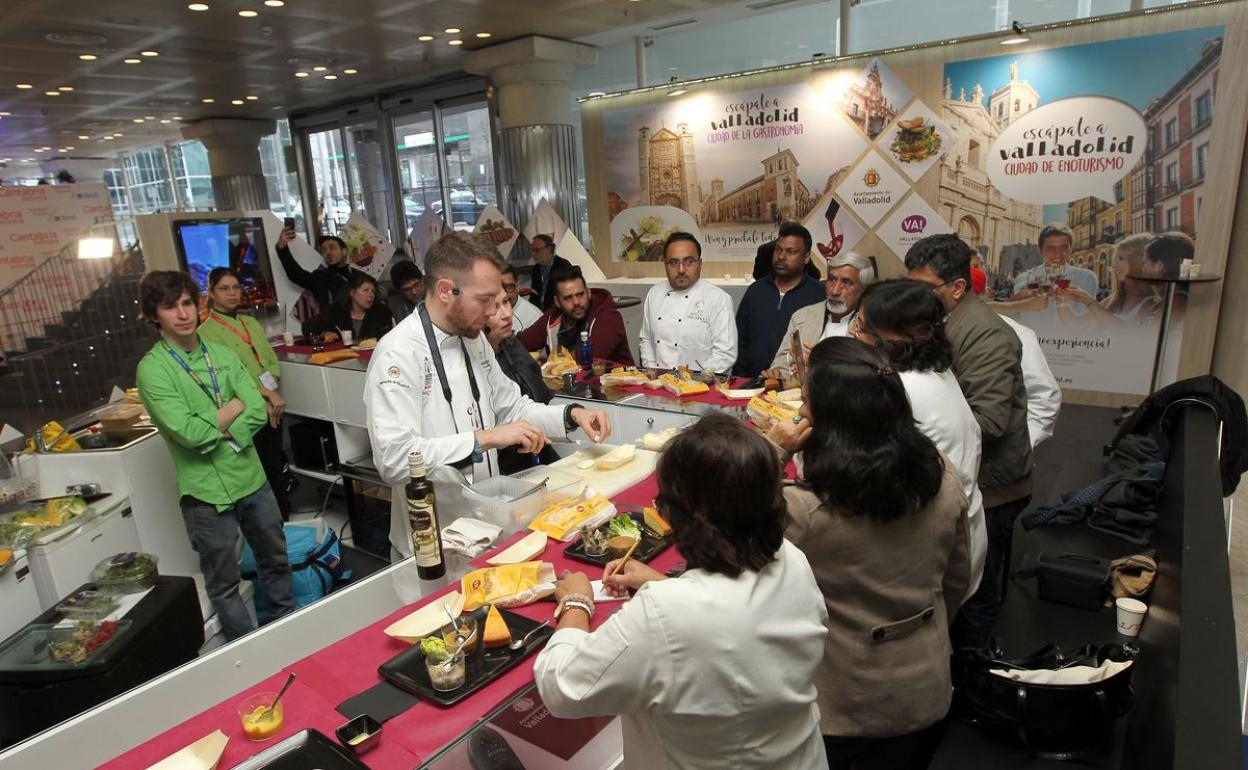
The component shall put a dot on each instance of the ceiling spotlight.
(275, 3)
(253, 98)
(236, 102)
(483, 34)
(69, 147)
(319, 68)
(456, 41)
(132, 61)
(149, 117)
(87, 56)
(331, 77)
(149, 54)
(451, 30)
(39, 149)
(137, 120)
(5, 114)
(117, 134)
(208, 100)
(350, 71)
(301, 74)
(83, 137)
(201, 7)
(425, 38)
(1017, 36)
(247, 13)
(66, 89)
(177, 117)
(51, 93)
(25, 86)
(165, 121)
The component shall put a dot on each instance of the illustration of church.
(1002, 229)
(668, 174)
(774, 196)
(866, 106)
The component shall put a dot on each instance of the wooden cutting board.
(610, 482)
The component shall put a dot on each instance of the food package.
(762, 412)
(792, 396)
(123, 415)
(330, 356)
(742, 394)
(564, 519)
(509, 585)
(65, 443)
(616, 458)
(560, 363)
(683, 387)
(624, 377)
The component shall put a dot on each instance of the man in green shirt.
(243, 335)
(206, 406)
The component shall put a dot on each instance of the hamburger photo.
(915, 140)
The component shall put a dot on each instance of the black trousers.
(901, 752)
(268, 441)
(978, 616)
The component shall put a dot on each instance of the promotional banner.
(494, 225)
(367, 249)
(1064, 137)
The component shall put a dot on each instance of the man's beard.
(458, 321)
(837, 307)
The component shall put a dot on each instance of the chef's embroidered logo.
(393, 372)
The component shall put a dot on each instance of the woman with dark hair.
(521, 369)
(357, 311)
(906, 320)
(882, 518)
(715, 668)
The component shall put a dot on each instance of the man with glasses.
(410, 282)
(545, 262)
(770, 302)
(987, 361)
(686, 320)
(849, 273)
(523, 314)
(434, 385)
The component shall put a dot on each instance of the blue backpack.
(315, 566)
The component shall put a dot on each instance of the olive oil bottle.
(422, 517)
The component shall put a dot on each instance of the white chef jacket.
(942, 414)
(523, 315)
(1044, 395)
(706, 671)
(691, 327)
(407, 412)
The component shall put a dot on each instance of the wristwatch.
(568, 423)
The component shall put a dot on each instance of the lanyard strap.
(436, 354)
(215, 393)
(246, 340)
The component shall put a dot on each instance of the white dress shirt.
(943, 415)
(838, 328)
(407, 412)
(1044, 395)
(706, 671)
(691, 327)
(523, 314)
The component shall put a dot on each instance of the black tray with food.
(409, 672)
(651, 545)
(303, 750)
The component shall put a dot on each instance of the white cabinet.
(346, 395)
(303, 387)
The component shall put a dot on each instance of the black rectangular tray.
(407, 670)
(301, 751)
(651, 545)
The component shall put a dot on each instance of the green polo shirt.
(214, 329)
(207, 467)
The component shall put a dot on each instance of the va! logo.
(915, 223)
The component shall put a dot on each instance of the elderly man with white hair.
(848, 274)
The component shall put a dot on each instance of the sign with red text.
(37, 222)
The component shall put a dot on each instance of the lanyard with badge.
(215, 393)
(266, 377)
(436, 354)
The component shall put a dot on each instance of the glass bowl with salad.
(125, 573)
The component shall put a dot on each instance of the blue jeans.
(977, 617)
(214, 535)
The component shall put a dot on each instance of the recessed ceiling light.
(456, 41)
(69, 147)
(425, 38)
(24, 86)
(51, 93)
(331, 77)
(66, 89)
(149, 117)
(197, 6)
(137, 120)
(208, 100)
(149, 54)
(301, 74)
(5, 114)
(275, 3)
(247, 13)
(236, 102)
(39, 149)
(350, 71)
(483, 34)
(319, 68)
(451, 30)
(253, 98)
(165, 121)
(117, 134)
(177, 117)
(83, 136)
(87, 56)
(133, 61)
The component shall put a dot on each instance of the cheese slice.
(497, 634)
(526, 548)
(621, 455)
(654, 520)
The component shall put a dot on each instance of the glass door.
(329, 178)
(416, 151)
(469, 155)
(370, 182)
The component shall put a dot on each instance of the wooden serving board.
(612, 482)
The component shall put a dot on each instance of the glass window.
(417, 153)
(1204, 108)
(469, 163)
(1172, 131)
(1202, 160)
(147, 173)
(1172, 175)
(370, 183)
(1172, 218)
(191, 175)
(281, 176)
(329, 176)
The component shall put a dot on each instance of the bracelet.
(573, 604)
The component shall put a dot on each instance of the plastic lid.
(416, 463)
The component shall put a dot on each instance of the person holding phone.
(326, 281)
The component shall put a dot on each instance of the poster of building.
(737, 163)
(1118, 155)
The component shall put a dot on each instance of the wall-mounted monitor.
(236, 242)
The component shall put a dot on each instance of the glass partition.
(370, 184)
(469, 163)
(329, 178)
(417, 152)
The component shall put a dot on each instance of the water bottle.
(585, 352)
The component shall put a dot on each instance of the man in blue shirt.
(770, 302)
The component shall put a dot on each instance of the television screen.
(238, 243)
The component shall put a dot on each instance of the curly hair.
(719, 486)
(164, 287)
(906, 320)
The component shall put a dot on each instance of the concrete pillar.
(233, 146)
(537, 143)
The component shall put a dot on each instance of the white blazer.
(407, 412)
(691, 327)
(943, 415)
(707, 671)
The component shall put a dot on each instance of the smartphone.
(288, 223)
(797, 356)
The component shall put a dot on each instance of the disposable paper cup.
(1130, 615)
(347, 337)
(288, 338)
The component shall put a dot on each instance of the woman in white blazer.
(716, 668)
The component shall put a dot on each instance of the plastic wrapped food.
(125, 573)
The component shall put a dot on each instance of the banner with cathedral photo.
(1109, 140)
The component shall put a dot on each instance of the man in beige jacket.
(849, 273)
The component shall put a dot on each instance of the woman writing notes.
(713, 669)
(356, 310)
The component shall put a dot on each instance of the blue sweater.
(763, 316)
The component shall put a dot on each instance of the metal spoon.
(519, 643)
(450, 662)
(289, 681)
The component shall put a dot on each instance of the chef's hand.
(573, 583)
(286, 236)
(789, 435)
(522, 434)
(594, 422)
(634, 575)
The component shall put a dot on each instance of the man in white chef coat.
(686, 320)
(433, 385)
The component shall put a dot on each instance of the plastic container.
(31, 649)
(88, 605)
(559, 485)
(125, 573)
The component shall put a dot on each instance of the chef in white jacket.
(433, 385)
(686, 320)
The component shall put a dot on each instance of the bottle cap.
(416, 463)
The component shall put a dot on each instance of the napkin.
(469, 536)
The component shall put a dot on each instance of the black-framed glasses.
(686, 263)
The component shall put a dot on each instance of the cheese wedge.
(762, 412)
(683, 387)
(526, 548)
(620, 456)
(497, 634)
(655, 521)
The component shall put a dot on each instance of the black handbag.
(1072, 578)
(1053, 721)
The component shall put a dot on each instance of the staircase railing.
(41, 297)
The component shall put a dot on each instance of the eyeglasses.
(686, 263)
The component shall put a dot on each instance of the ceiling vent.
(76, 38)
(674, 24)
